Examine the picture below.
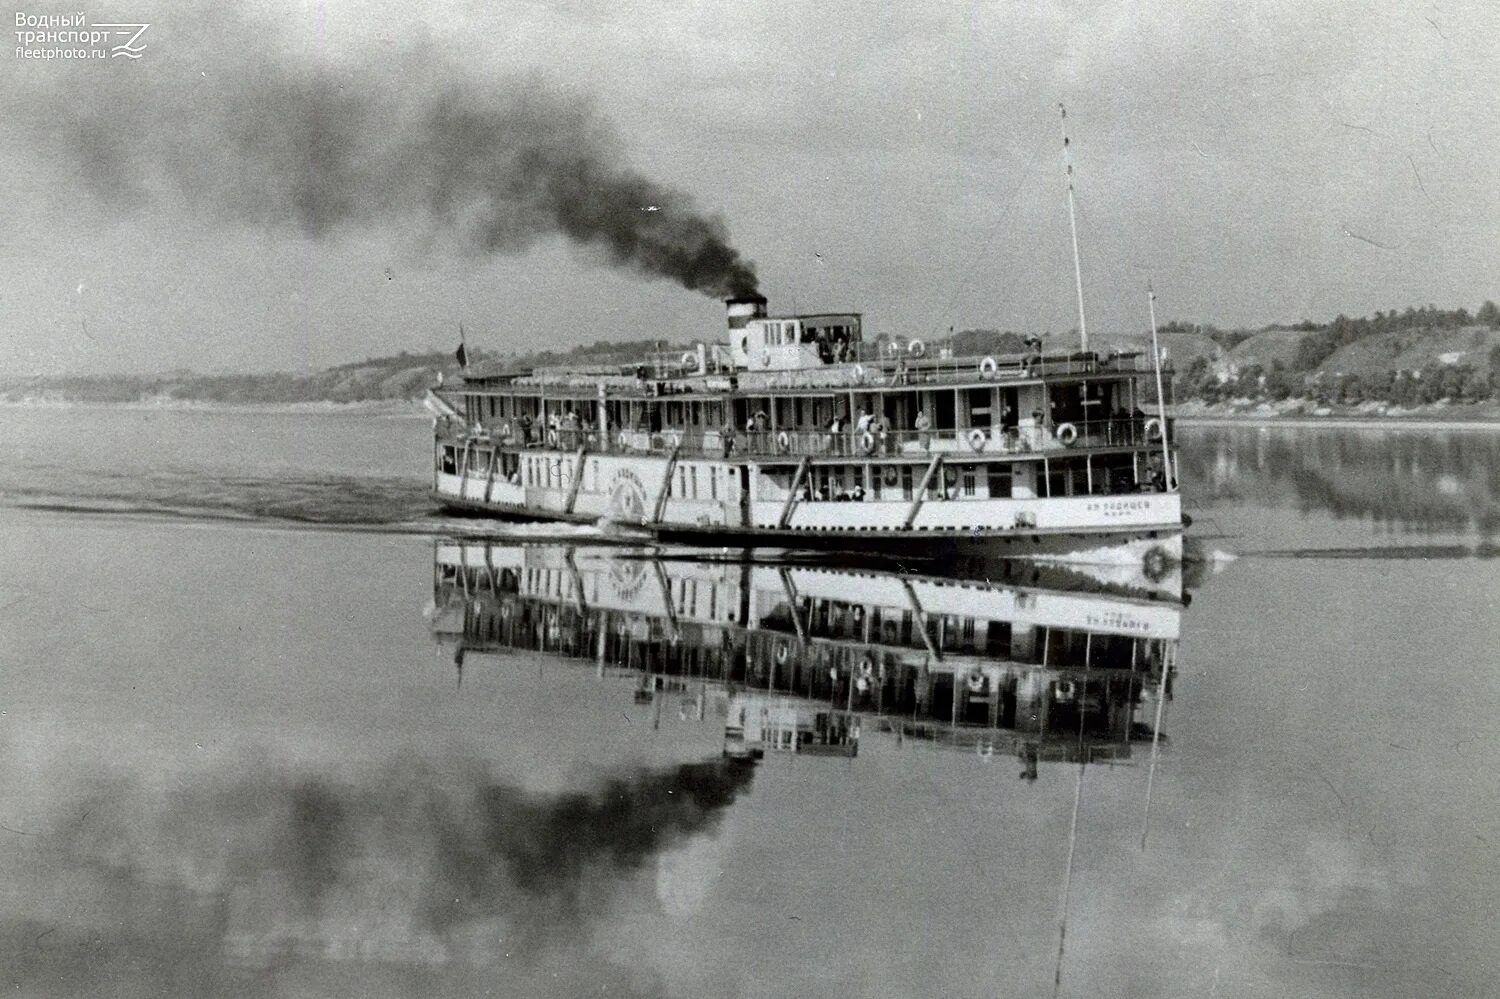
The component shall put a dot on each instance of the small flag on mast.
(462, 353)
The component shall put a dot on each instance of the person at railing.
(836, 434)
(923, 426)
(523, 424)
(758, 426)
(863, 424)
(726, 437)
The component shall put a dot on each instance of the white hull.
(706, 498)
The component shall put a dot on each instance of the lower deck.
(1088, 502)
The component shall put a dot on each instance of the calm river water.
(269, 726)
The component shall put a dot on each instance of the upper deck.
(810, 386)
(801, 352)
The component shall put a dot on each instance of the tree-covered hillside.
(1404, 358)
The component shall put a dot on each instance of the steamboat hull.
(1065, 530)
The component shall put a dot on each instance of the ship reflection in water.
(809, 659)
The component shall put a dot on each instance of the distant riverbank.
(1342, 422)
(371, 407)
(1305, 413)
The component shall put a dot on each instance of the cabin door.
(744, 471)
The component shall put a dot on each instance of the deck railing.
(876, 442)
(874, 365)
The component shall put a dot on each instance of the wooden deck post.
(921, 617)
(489, 485)
(918, 496)
(791, 600)
(660, 507)
(791, 496)
(577, 480)
(665, 586)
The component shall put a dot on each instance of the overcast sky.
(1259, 163)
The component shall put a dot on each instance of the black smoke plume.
(220, 122)
(441, 872)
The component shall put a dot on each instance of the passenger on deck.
(762, 425)
(884, 441)
(923, 426)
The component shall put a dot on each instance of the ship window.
(970, 479)
(450, 460)
(693, 476)
(906, 482)
(713, 483)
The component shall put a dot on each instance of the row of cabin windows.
(780, 334)
(685, 482)
(1078, 476)
(1066, 477)
(891, 482)
(688, 482)
(986, 406)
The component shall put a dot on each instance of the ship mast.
(1161, 402)
(1083, 326)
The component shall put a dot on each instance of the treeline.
(1426, 383)
(377, 379)
(1320, 344)
(1453, 382)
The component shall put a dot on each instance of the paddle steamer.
(802, 658)
(795, 431)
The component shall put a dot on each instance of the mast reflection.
(808, 659)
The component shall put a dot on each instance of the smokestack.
(743, 308)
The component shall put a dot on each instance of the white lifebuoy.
(892, 348)
(988, 367)
(689, 359)
(976, 682)
(916, 348)
(859, 372)
(1153, 429)
(867, 442)
(1067, 433)
(782, 650)
(977, 439)
(674, 438)
(783, 442)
